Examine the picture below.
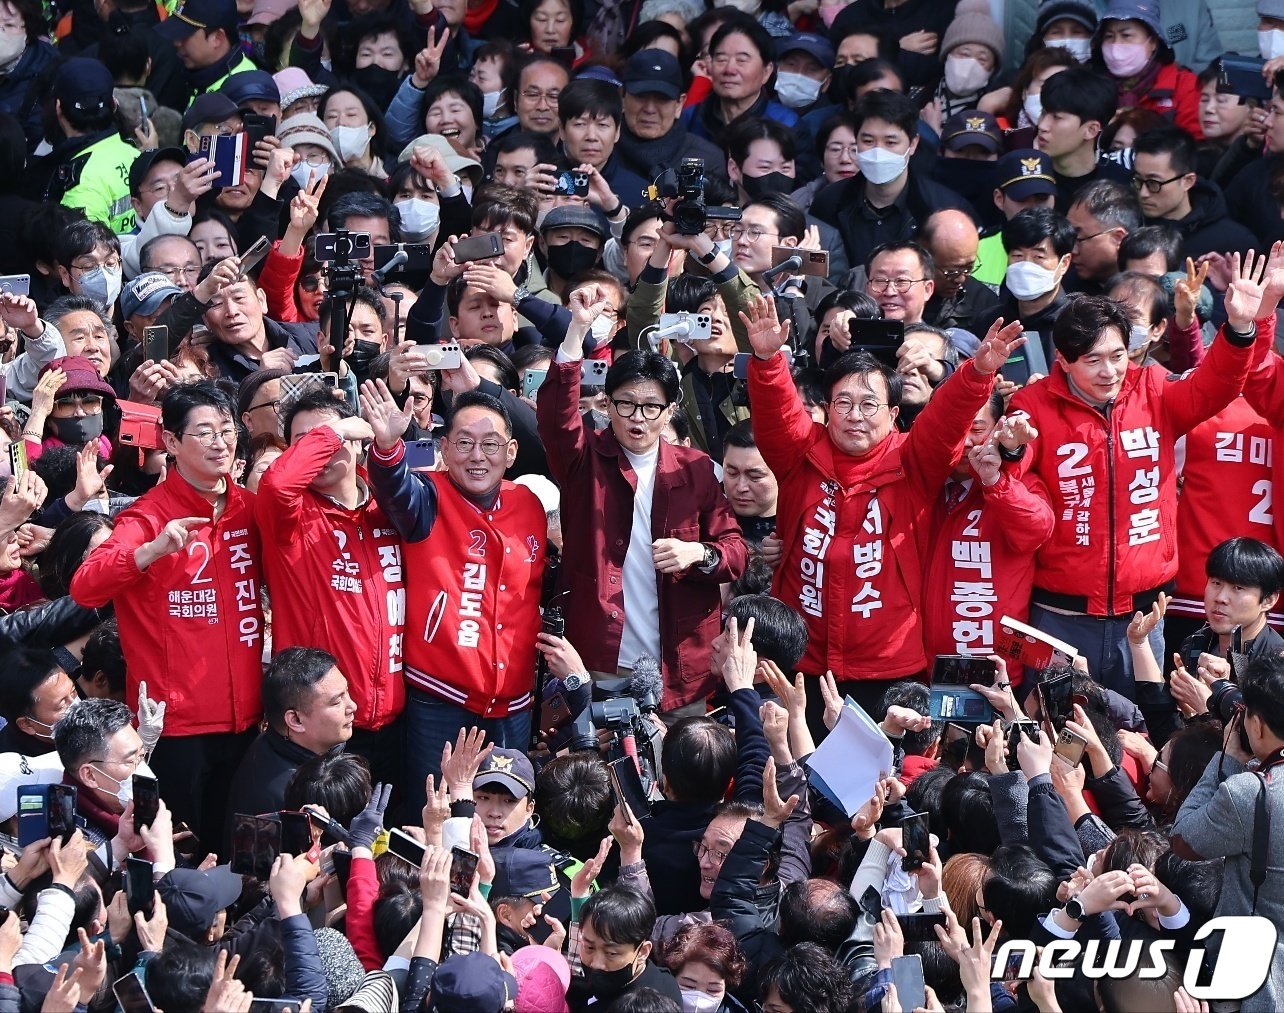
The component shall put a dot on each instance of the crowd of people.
(473, 464)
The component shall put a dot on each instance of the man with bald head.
(960, 300)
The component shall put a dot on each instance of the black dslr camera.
(685, 184)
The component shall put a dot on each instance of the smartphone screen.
(146, 800)
(1057, 698)
(131, 995)
(630, 789)
(405, 847)
(963, 670)
(463, 866)
(140, 886)
(296, 833)
(915, 841)
(1018, 728)
(918, 928)
(955, 742)
(256, 842)
(60, 810)
(907, 976)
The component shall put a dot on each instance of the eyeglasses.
(421, 399)
(952, 273)
(175, 273)
(646, 245)
(80, 401)
(111, 264)
(844, 405)
(901, 285)
(274, 405)
(751, 233)
(160, 188)
(649, 409)
(316, 159)
(720, 230)
(1153, 185)
(701, 851)
(132, 762)
(1159, 765)
(539, 97)
(491, 448)
(838, 150)
(207, 438)
(1080, 240)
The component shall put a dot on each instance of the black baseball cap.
(199, 15)
(84, 84)
(146, 159)
(653, 72)
(1025, 173)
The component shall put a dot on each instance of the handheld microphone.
(793, 263)
(398, 258)
(646, 684)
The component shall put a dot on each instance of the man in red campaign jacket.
(856, 500)
(985, 528)
(1105, 455)
(182, 569)
(1225, 489)
(474, 547)
(333, 564)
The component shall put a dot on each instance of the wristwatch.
(709, 257)
(520, 293)
(1074, 909)
(1011, 455)
(710, 559)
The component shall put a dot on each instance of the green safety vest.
(993, 259)
(97, 181)
(241, 66)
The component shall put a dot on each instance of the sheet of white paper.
(854, 756)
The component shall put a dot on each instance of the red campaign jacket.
(190, 624)
(1224, 490)
(473, 597)
(852, 561)
(335, 576)
(1175, 96)
(1112, 481)
(980, 566)
(1264, 392)
(597, 518)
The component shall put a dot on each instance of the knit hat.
(307, 128)
(1082, 12)
(973, 23)
(294, 84)
(543, 976)
(341, 966)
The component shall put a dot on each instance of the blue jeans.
(430, 722)
(1102, 642)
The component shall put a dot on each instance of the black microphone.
(398, 258)
(792, 263)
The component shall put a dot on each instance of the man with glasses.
(101, 752)
(1163, 174)
(174, 256)
(163, 189)
(182, 570)
(657, 536)
(87, 257)
(958, 298)
(474, 547)
(539, 85)
(855, 501)
(1102, 214)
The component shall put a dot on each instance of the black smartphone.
(880, 338)
(296, 833)
(907, 976)
(565, 55)
(156, 343)
(1018, 728)
(963, 670)
(483, 247)
(1056, 695)
(256, 843)
(405, 847)
(918, 927)
(628, 785)
(955, 743)
(146, 800)
(916, 841)
(140, 886)
(257, 127)
(274, 1006)
(1242, 76)
(60, 811)
(463, 866)
(131, 996)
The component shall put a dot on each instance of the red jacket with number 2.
(855, 529)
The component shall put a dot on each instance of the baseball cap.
(193, 898)
(1081, 12)
(577, 216)
(84, 84)
(212, 107)
(972, 127)
(523, 872)
(267, 11)
(199, 15)
(653, 71)
(510, 769)
(146, 159)
(81, 374)
(145, 293)
(256, 85)
(598, 72)
(816, 46)
(1025, 173)
(470, 983)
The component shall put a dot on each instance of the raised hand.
(1144, 623)
(1015, 430)
(591, 869)
(1186, 292)
(833, 700)
(223, 273)
(379, 408)
(1246, 291)
(587, 303)
(226, 992)
(20, 311)
(21, 499)
(428, 61)
(998, 346)
(42, 398)
(429, 163)
(986, 462)
(312, 13)
(1274, 281)
(305, 207)
(445, 268)
(767, 335)
(775, 811)
(461, 760)
(742, 661)
(195, 180)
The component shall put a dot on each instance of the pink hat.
(267, 11)
(543, 976)
(294, 84)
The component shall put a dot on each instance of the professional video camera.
(340, 253)
(685, 184)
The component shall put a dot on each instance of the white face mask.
(302, 172)
(1033, 106)
(351, 142)
(124, 789)
(102, 284)
(1080, 49)
(1027, 280)
(796, 90)
(1271, 44)
(878, 165)
(12, 46)
(490, 102)
(724, 246)
(419, 218)
(694, 1001)
(964, 75)
(602, 329)
(1138, 338)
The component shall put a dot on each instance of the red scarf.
(474, 18)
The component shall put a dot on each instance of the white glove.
(151, 719)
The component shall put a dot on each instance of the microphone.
(646, 684)
(793, 263)
(398, 258)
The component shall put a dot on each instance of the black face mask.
(571, 259)
(76, 432)
(377, 82)
(772, 182)
(606, 984)
(359, 359)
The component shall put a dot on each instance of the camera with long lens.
(685, 185)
